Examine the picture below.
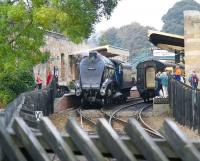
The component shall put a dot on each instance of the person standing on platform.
(178, 73)
(193, 79)
(49, 78)
(39, 81)
(164, 81)
(158, 84)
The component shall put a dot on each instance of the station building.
(65, 57)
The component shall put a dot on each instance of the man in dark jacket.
(158, 83)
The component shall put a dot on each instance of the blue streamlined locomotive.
(102, 80)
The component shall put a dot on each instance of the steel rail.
(148, 128)
(108, 116)
(86, 117)
(123, 107)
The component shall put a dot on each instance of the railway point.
(102, 104)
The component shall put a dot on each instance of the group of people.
(193, 78)
(162, 81)
(39, 80)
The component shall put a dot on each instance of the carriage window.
(150, 77)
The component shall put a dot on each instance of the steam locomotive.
(103, 81)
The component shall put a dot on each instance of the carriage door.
(150, 77)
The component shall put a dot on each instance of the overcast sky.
(146, 12)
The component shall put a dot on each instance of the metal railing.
(28, 103)
(185, 104)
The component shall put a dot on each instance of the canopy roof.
(166, 41)
(108, 51)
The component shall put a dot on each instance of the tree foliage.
(174, 18)
(22, 29)
(132, 37)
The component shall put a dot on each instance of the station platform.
(160, 105)
(68, 100)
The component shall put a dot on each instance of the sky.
(145, 12)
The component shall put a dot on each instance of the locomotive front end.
(91, 71)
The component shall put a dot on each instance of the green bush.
(12, 84)
(5, 97)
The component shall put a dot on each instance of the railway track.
(88, 118)
(83, 116)
(138, 116)
(112, 116)
(147, 127)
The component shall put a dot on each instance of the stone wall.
(60, 48)
(192, 42)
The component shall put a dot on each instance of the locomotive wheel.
(109, 92)
(102, 102)
(108, 101)
(105, 101)
(125, 98)
(83, 103)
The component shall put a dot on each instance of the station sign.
(163, 53)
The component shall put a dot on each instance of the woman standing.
(39, 81)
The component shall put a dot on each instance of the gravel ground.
(156, 123)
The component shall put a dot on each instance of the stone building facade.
(192, 42)
(60, 49)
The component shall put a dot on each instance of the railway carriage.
(146, 73)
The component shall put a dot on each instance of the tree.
(22, 29)
(110, 37)
(174, 18)
(132, 37)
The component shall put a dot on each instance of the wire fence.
(185, 104)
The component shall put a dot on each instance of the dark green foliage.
(12, 84)
(174, 18)
(18, 81)
(132, 37)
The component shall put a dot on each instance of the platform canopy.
(166, 41)
(108, 51)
